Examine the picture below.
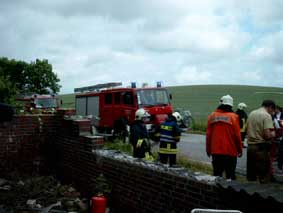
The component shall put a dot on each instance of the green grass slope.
(201, 100)
(68, 100)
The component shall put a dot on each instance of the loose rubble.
(39, 194)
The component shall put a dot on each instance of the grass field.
(203, 99)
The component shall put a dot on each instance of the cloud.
(177, 42)
(269, 48)
(191, 75)
(266, 11)
(252, 75)
(207, 35)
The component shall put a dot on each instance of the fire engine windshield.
(46, 103)
(152, 97)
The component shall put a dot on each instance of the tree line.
(19, 77)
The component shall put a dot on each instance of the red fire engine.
(44, 103)
(110, 106)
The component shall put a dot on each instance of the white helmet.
(177, 116)
(226, 100)
(141, 114)
(242, 106)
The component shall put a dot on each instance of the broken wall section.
(27, 140)
(22, 142)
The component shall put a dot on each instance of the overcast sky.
(179, 42)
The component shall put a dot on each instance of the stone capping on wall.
(155, 166)
(267, 191)
(271, 191)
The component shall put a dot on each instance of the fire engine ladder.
(97, 87)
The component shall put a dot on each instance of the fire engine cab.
(109, 105)
(44, 103)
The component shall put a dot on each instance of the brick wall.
(22, 141)
(142, 187)
(65, 146)
(27, 140)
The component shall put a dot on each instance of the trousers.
(259, 162)
(280, 154)
(224, 163)
(165, 157)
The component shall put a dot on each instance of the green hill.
(68, 100)
(201, 100)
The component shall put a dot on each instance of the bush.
(8, 91)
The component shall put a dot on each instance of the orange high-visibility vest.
(223, 134)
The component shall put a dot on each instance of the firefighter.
(139, 137)
(243, 117)
(223, 139)
(170, 134)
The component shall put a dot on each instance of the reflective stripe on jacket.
(169, 136)
(243, 117)
(244, 128)
(169, 149)
(138, 139)
(139, 143)
(223, 134)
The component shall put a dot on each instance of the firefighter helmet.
(178, 116)
(242, 106)
(226, 100)
(141, 114)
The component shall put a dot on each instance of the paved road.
(193, 147)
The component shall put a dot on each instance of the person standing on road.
(139, 137)
(223, 139)
(260, 130)
(243, 117)
(170, 134)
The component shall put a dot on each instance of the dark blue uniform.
(139, 139)
(243, 117)
(169, 137)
